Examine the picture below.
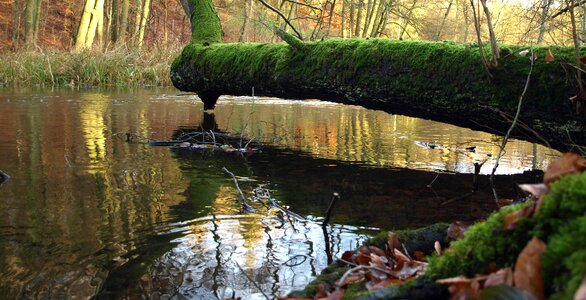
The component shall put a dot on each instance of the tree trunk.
(545, 4)
(369, 9)
(97, 15)
(137, 19)
(343, 21)
(84, 24)
(115, 17)
(143, 22)
(247, 11)
(493, 45)
(358, 19)
(123, 28)
(31, 26)
(439, 31)
(351, 23)
(16, 25)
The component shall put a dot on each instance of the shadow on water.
(204, 252)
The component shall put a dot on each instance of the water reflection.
(88, 213)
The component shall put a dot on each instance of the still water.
(88, 214)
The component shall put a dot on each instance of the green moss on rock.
(420, 239)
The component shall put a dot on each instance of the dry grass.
(121, 67)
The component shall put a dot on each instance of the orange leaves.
(511, 219)
(568, 163)
(528, 275)
(549, 56)
(378, 268)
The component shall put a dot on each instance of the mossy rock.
(421, 239)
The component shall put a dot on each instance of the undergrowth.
(88, 68)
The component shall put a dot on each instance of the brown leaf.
(462, 287)
(502, 276)
(527, 273)
(549, 56)
(405, 267)
(438, 248)
(321, 290)
(393, 242)
(581, 292)
(456, 230)
(419, 255)
(348, 256)
(513, 218)
(535, 189)
(568, 163)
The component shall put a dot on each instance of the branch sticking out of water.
(245, 206)
(335, 197)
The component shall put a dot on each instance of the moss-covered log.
(437, 80)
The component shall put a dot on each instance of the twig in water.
(335, 197)
(324, 227)
(252, 281)
(506, 137)
(245, 206)
(3, 177)
(431, 183)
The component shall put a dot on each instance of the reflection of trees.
(351, 133)
(79, 196)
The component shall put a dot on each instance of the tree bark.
(84, 24)
(123, 28)
(31, 26)
(439, 31)
(114, 28)
(146, 10)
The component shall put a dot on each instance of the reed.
(118, 68)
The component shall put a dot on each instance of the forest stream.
(92, 210)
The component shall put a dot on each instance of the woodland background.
(115, 24)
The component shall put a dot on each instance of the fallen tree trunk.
(441, 81)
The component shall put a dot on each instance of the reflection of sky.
(279, 260)
(351, 133)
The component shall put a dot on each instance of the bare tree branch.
(278, 12)
(304, 4)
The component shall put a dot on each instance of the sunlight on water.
(88, 212)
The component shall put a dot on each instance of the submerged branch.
(245, 206)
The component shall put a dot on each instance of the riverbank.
(524, 249)
(88, 68)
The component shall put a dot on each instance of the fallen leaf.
(348, 256)
(456, 230)
(513, 218)
(527, 273)
(462, 287)
(321, 291)
(549, 56)
(393, 242)
(502, 276)
(568, 163)
(535, 189)
(438, 248)
(581, 292)
(419, 255)
(524, 52)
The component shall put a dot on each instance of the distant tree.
(93, 15)
(31, 27)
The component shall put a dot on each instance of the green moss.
(328, 276)
(206, 26)
(484, 243)
(562, 224)
(420, 288)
